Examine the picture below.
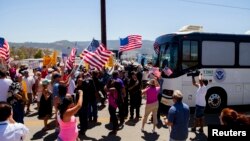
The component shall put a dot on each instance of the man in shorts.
(30, 81)
(200, 102)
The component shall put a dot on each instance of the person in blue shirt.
(178, 118)
(56, 98)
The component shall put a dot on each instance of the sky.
(79, 20)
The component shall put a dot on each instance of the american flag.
(4, 50)
(157, 48)
(96, 55)
(155, 71)
(71, 59)
(167, 71)
(131, 42)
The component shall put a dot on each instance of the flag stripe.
(71, 59)
(134, 41)
(4, 50)
(99, 57)
(167, 71)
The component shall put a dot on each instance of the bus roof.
(202, 35)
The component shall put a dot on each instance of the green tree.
(20, 54)
(12, 51)
(38, 54)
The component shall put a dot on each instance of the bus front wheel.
(216, 100)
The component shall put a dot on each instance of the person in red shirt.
(44, 72)
(12, 71)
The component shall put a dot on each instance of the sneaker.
(45, 128)
(201, 130)
(136, 119)
(27, 112)
(114, 132)
(193, 129)
(83, 133)
(140, 117)
(57, 129)
(121, 123)
(94, 120)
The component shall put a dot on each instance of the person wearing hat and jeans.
(151, 93)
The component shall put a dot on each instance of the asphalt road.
(100, 131)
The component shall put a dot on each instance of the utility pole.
(103, 23)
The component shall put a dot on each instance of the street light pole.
(103, 23)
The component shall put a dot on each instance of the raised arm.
(201, 79)
(194, 82)
(72, 111)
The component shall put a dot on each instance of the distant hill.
(63, 45)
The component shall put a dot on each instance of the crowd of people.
(77, 92)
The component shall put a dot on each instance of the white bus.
(223, 59)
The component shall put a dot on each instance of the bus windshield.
(168, 56)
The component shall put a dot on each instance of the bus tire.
(216, 99)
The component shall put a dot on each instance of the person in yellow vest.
(24, 86)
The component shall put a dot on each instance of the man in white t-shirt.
(200, 102)
(30, 81)
(9, 129)
(4, 86)
(49, 75)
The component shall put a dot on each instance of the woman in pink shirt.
(112, 100)
(151, 93)
(67, 120)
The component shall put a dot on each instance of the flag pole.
(103, 22)
(119, 52)
(73, 70)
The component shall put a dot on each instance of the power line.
(214, 4)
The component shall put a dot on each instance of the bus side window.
(189, 54)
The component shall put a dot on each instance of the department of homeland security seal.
(219, 75)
